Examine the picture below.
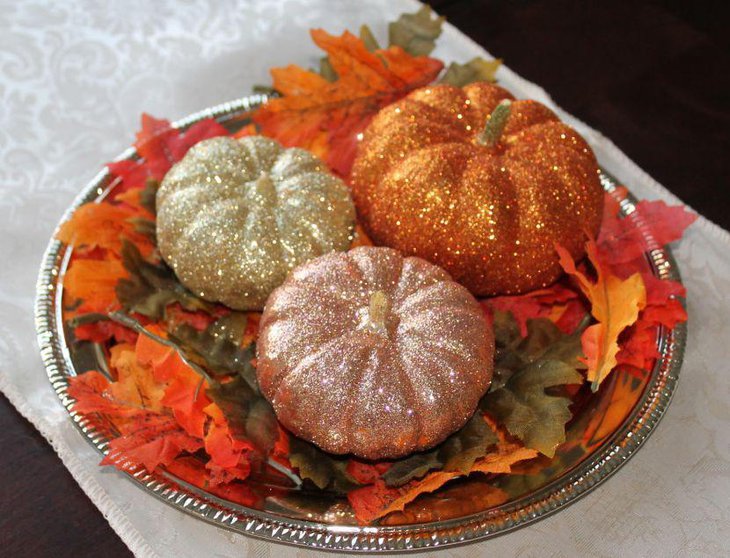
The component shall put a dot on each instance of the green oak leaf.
(148, 195)
(325, 470)
(368, 39)
(477, 69)
(527, 411)
(457, 453)
(248, 414)
(546, 358)
(416, 33)
(218, 347)
(146, 227)
(150, 288)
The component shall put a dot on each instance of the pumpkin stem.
(378, 309)
(494, 127)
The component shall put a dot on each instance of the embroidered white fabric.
(74, 78)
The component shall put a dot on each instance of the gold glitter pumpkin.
(478, 183)
(370, 353)
(234, 217)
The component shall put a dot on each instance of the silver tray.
(300, 520)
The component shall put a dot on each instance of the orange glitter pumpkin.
(478, 183)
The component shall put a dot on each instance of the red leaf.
(225, 451)
(90, 392)
(161, 146)
(639, 346)
(131, 174)
(366, 473)
(193, 471)
(205, 129)
(176, 315)
(536, 304)
(623, 240)
(150, 440)
(103, 331)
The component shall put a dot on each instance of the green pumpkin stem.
(492, 132)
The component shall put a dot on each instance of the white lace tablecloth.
(74, 78)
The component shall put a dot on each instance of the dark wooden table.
(651, 76)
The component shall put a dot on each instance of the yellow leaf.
(615, 304)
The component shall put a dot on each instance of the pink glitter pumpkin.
(373, 354)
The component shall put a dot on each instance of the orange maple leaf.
(184, 392)
(615, 303)
(103, 225)
(325, 116)
(94, 282)
(135, 384)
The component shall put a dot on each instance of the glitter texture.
(370, 353)
(423, 184)
(234, 217)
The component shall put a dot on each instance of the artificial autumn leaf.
(127, 175)
(248, 414)
(368, 39)
(105, 226)
(615, 303)
(194, 471)
(94, 283)
(325, 116)
(535, 304)
(456, 454)
(98, 328)
(150, 440)
(524, 369)
(527, 411)
(90, 390)
(366, 473)
(416, 33)
(652, 225)
(663, 304)
(543, 341)
(177, 315)
(184, 393)
(150, 288)
(135, 384)
(161, 145)
(477, 69)
(638, 343)
(323, 469)
(457, 500)
(378, 500)
(219, 345)
(227, 461)
(639, 346)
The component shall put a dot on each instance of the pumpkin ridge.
(302, 365)
(409, 383)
